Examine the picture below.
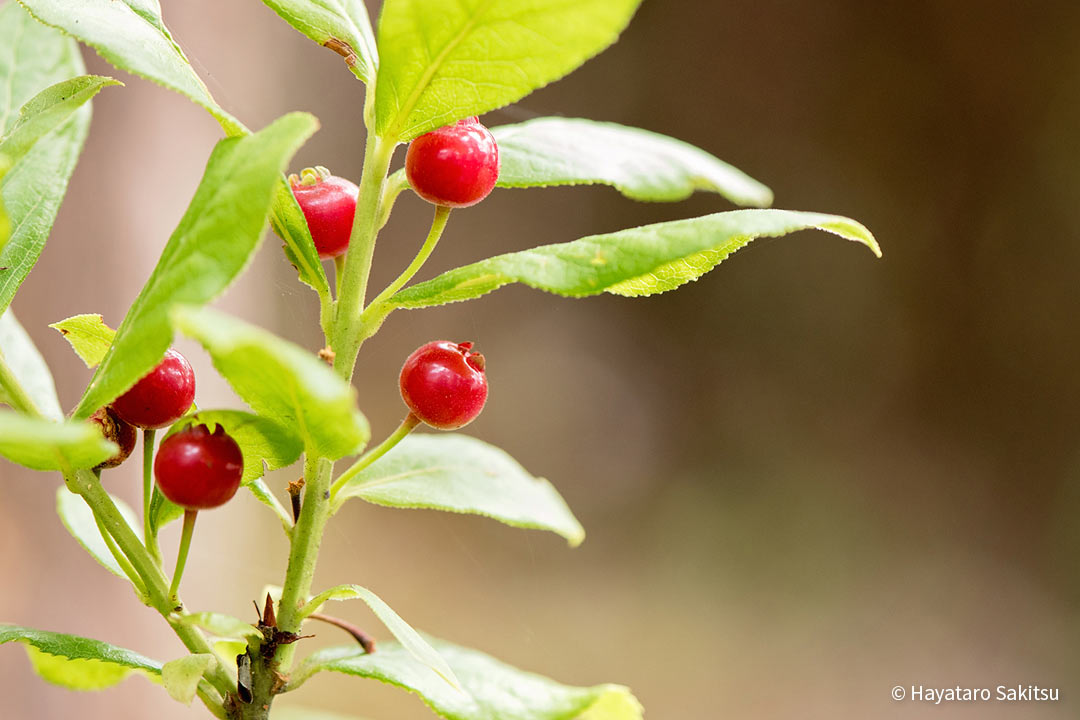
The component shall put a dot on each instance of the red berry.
(114, 428)
(161, 397)
(198, 470)
(455, 166)
(329, 203)
(444, 384)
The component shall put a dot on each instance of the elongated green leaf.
(47, 445)
(47, 110)
(266, 444)
(640, 164)
(290, 225)
(409, 638)
(27, 365)
(79, 521)
(461, 474)
(341, 25)
(181, 676)
(212, 245)
(493, 690)
(5, 221)
(77, 663)
(281, 381)
(33, 58)
(88, 336)
(131, 35)
(442, 61)
(635, 262)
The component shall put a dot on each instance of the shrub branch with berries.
(434, 67)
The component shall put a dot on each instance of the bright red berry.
(120, 432)
(455, 166)
(198, 470)
(162, 396)
(329, 204)
(444, 384)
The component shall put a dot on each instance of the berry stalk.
(148, 494)
(407, 426)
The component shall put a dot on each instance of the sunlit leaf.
(47, 445)
(77, 663)
(88, 336)
(341, 25)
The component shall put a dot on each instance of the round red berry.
(455, 166)
(329, 204)
(197, 469)
(444, 384)
(162, 396)
(120, 432)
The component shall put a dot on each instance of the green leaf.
(642, 165)
(78, 663)
(34, 57)
(411, 640)
(47, 445)
(27, 365)
(131, 35)
(442, 61)
(281, 381)
(635, 262)
(493, 690)
(222, 626)
(341, 25)
(181, 677)
(79, 521)
(289, 223)
(212, 245)
(266, 444)
(47, 110)
(5, 221)
(88, 336)
(461, 474)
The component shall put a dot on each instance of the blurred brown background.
(807, 478)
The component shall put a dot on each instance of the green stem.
(354, 279)
(339, 270)
(14, 392)
(87, 485)
(148, 495)
(304, 552)
(181, 555)
(122, 560)
(367, 459)
(438, 224)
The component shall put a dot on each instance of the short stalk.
(148, 495)
(181, 555)
(438, 224)
(14, 392)
(367, 459)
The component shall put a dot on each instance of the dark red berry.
(329, 204)
(162, 396)
(198, 470)
(455, 166)
(444, 384)
(114, 428)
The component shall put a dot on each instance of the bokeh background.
(808, 477)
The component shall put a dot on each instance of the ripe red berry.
(329, 204)
(444, 384)
(198, 470)
(114, 428)
(162, 396)
(455, 166)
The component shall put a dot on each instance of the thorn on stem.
(294, 494)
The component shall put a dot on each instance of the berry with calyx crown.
(444, 384)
